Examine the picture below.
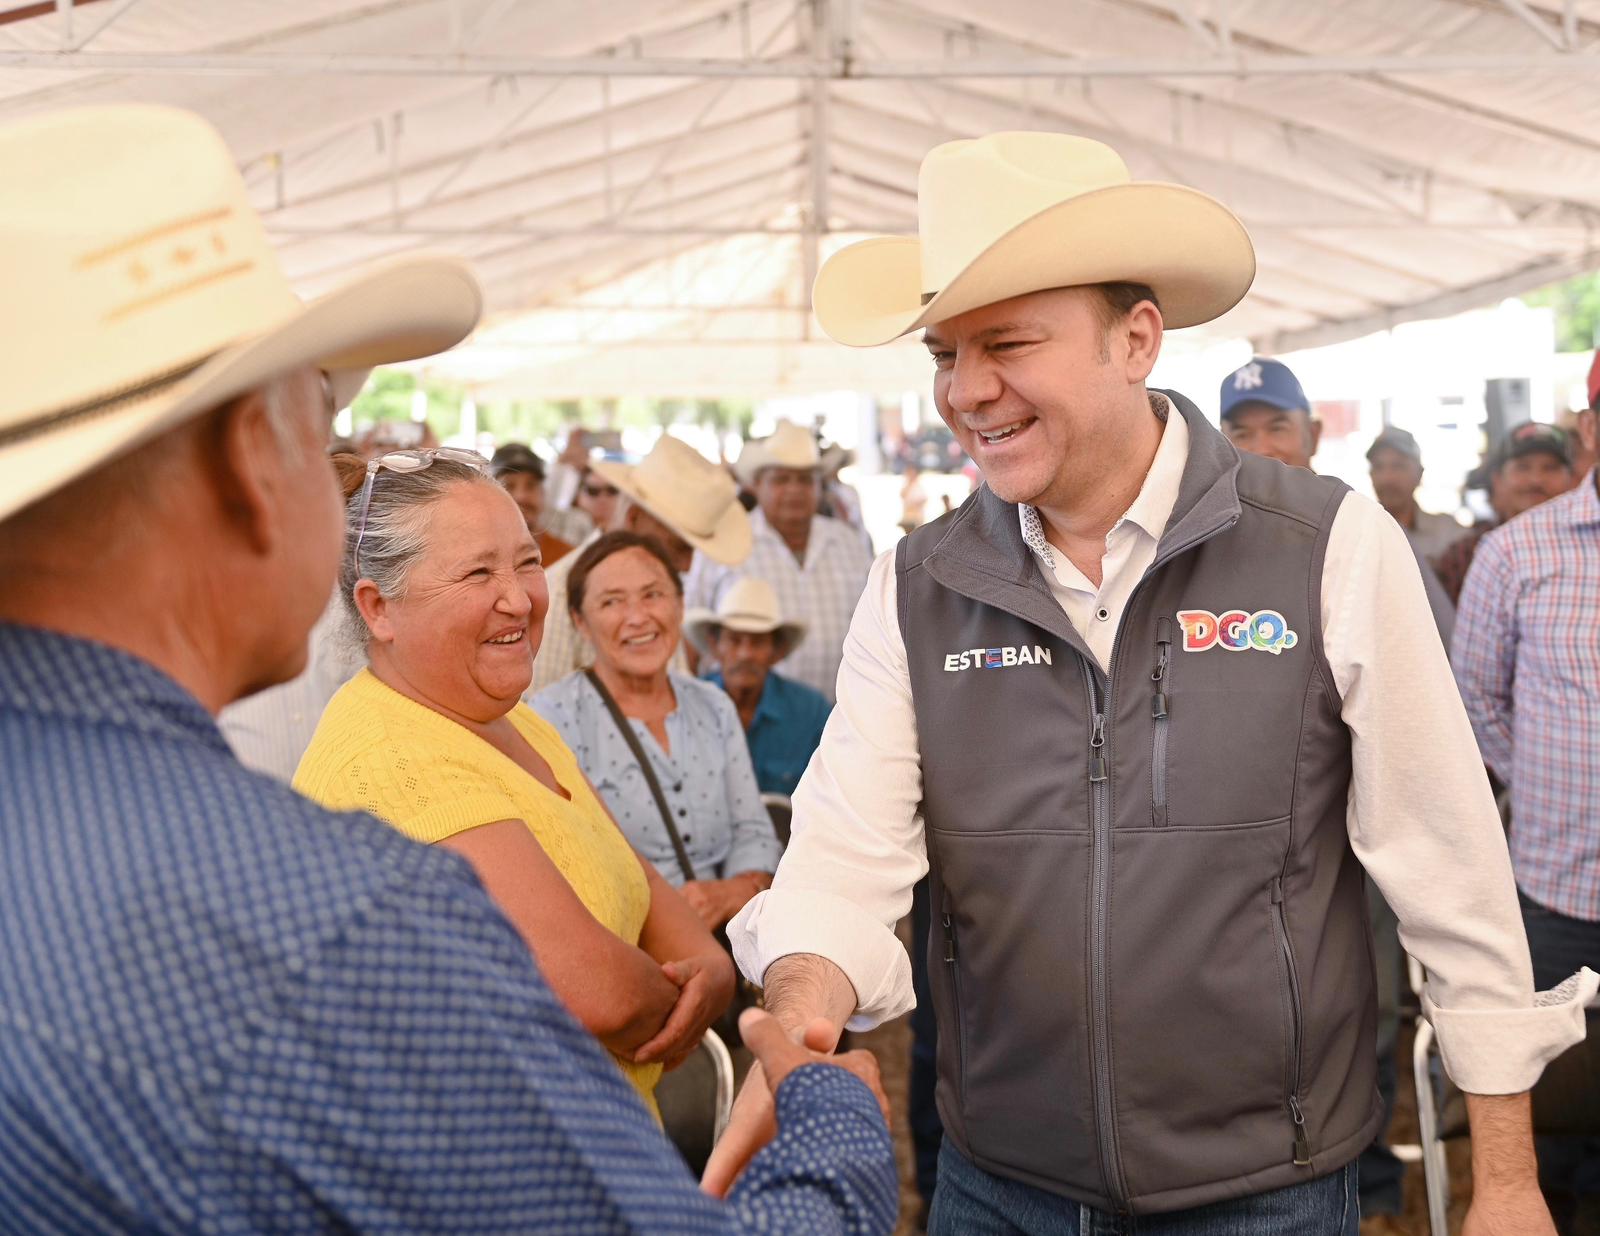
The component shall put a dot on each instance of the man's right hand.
(754, 1120)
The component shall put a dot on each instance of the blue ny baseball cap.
(1263, 381)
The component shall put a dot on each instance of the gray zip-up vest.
(1150, 961)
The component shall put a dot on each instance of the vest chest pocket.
(1226, 732)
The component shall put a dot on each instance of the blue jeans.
(971, 1202)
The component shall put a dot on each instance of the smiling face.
(1038, 390)
(632, 613)
(463, 636)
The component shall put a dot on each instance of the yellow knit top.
(375, 750)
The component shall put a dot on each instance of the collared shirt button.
(1102, 613)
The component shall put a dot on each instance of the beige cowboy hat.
(1011, 213)
(141, 290)
(690, 494)
(788, 446)
(749, 605)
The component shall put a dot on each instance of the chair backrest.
(781, 810)
(695, 1100)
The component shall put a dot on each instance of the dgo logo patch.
(1266, 630)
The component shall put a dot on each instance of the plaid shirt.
(1527, 657)
(224, 1009)
(822, 593)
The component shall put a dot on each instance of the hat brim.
(400, 311)
(698, 625)
(1187, 247)
(728, 543)
(747, 470)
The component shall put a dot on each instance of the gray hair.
(396, 528)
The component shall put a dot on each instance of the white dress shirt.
(821, 592)
(1421, 818)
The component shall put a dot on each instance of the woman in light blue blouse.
(627, 600)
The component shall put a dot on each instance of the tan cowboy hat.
(688, 493)
(141, 290)
(1010, 213)
(749, 605)
(788, 446)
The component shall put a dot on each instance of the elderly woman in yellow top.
(445, 586)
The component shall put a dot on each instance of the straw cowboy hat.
(788, 446)
(750, 605)
(690, 494)
(141, 291)
(1011, 213)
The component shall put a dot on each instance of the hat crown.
(752, 603)
(788, 446)
(129, 240)
(971, 191)
(682, 487)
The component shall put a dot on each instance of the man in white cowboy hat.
(675, 496)
(746, 635)
(1143, 708)
(221, 1007)
(817, 566)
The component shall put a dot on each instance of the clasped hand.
(754, 1122)
(705, 985)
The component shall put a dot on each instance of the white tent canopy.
(646, 186)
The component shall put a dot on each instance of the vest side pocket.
(1291, 980)
(951, 959)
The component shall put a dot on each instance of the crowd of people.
(494, 809)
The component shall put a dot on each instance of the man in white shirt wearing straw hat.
(674, 495)
(816, 565)
(1143, 709)
(748, 636)
(222, 1008)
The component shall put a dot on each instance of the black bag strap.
(632, 739)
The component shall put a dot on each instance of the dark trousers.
(1569, 1167)
(927, 1130)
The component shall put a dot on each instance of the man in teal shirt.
(782, 718)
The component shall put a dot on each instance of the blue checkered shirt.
(1527, 657)
(224, 1009)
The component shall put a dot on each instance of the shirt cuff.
(1503, 1051)
(780, 922)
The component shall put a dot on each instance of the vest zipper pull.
(1158, 704)
(1302, 1144)
(1097, 740)
(949, 938)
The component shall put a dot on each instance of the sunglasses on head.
(405, 461)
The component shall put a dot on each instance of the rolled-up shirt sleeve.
(856, 845)
(1422, 819)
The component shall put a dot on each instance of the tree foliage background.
(391, 394)
(1577, 306)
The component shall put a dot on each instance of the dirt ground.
(891, 1044)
